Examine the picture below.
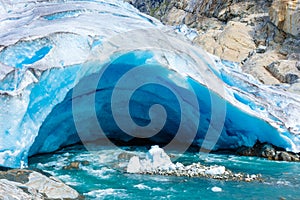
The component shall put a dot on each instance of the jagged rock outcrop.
(256, 34)
(268, 151)
(285, 14)
(285, 71)
(21, 184)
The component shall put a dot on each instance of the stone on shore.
(25, 184)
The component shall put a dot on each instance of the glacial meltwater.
(101, 174)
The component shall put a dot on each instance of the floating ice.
(155, 165)
(155, 158)
(62, 61)
(216, 189)
(134, 165)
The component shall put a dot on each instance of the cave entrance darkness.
(60, 128)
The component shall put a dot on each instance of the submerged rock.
(76, 165)
(27, 184)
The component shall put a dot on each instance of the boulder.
(234, 43)
(27, 184)
(267, 151)
(256, 65)
(12, 190)
(284, 70)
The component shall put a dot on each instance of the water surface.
(104, 177)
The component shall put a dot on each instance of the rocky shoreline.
(263, 37)
(268, 151)
(28, 184)
(25, 184)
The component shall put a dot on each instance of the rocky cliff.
(286, 16)
(262, 36)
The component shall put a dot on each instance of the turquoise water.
(104, 177)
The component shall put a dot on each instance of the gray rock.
(268, 151)
(285, 14)
(12, 191)
(284, 156)
(125, 156)
(72, 165)
(284, 70)
(27, 184)
(256, 33)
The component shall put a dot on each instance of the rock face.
(285, 71)
(262, 36)
(233, 43)
(26, 184)
(285, 14)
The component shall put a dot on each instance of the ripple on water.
(101, 179)
(107, 193)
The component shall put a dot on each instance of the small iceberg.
(216, 189)
(157, 162)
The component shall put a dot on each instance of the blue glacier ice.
(81, 70)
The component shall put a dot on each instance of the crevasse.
(68, 71)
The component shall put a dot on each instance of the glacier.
(79, 70)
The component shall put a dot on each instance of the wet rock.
(27, 184)
(16, 175)
(245, 151)
(72, 165)
(267, 151)
(75, 165)
(85, 163)
(125, 156)
(284, 156)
